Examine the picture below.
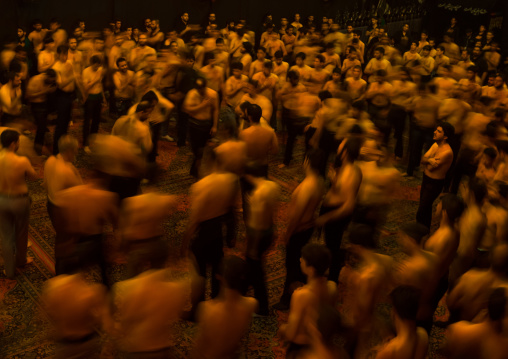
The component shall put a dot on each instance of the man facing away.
(14, 203)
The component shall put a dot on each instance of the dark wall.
(97, 13)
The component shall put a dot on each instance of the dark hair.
(262, 49)
(150, 96)
(237, 66)
(248, 46)
(497, 304)
(320, 57)
(406, 300)
(293, 75)
(478, 188)
(352, 148)
(490, 152)
(448, 129)
(453, 205)
(254, 112)
(278, 54)
(318, 257)
(301, 55)
(316, 159)
(95, 60)
(380, 49)
(268, 64)
(415, 230)
(63, 49)
(337, 70)
(143, 106)
(234, 273)
(219, 40)
(121, 59)
(210, 55)
(362, 235)
(427, 48)
(8, 137)
(440, 48)
(48, 40)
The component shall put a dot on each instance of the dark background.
(98, 13)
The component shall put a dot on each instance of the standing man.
(437, 161)
(14, 203)
(37, 92)
(10, 98)
(64, 94)
(92, 84)
(124, 81)
(202, 106)
(304, 201)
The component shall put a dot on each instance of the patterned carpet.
(25, 329)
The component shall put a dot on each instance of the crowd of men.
(345, 92)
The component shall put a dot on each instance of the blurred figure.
(14, 203)
(124, 81)
(309, 299)
(38, 89)
(60, 174)
(468, 299)
(93, 97)
(262, 200)
(339, 202)
(443, 243)
(134, 128)
(146, 309)
(483, 340)
(410, 341)
(304, 202)
(212, 198)
(233, 152)
(202, 106)
(85, 210)
(10, 99)
(224, 321)
(76, 309)
(140, 225)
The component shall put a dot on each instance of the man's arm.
(299, 301)
(297, 209)
(215, 105)
(29, 170)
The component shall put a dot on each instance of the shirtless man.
(280, 68)
(378, 62)
(263, 200)
(76, 309)
(94, 97)
(138, 53)
(140, 226)
(124, 80)
(350, 62)
(289, 97)
(304, 201)
(252, 96)
(224, 321)
(60, 174)
(234, 88)
(411, 55)
(213, 73)
(427, 62)
(303, 70)
(14, 203)
(11, 98)
(37, 36)
(355, 85)
(146, 308)
(318, 76)
(64, 94)
(267, 86)
(339, 202)
(332, 59)
(472, 228)
(257, 66)
(232, 153)
(47, 56)
(307, 301)
(245, 57)
(37, 92)
(212, 198)
(84, 211)
(484, 340)
(445, 84)
(273, 44)
(443, 243)
(440, 59)
(410, 342)
(437, 161)
(334, 86)
(202, 106)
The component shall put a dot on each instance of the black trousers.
(334, 230)
(63, 109)
(397, 119)
(199, 133)
(122, 106)
(93, 107)
(419, 136)
(465, 165)
(124, 186)
(295, 127)
(40, 113)
(293, 253)
(207, 249)
(258, 242)
(182, 124)
(431, 189)
(143, 253)
(90, 252)
(155, 130)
